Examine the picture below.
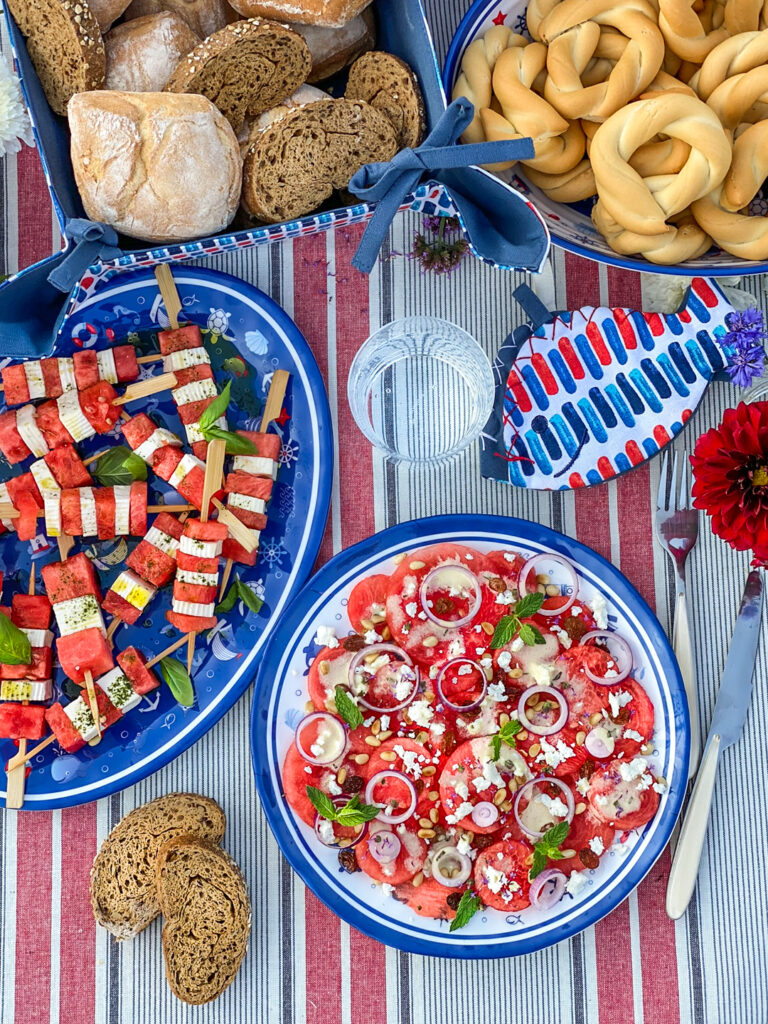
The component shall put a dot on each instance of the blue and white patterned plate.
(249, 337)
(281, 694)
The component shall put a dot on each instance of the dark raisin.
(448, 742)
(352, 784)
(587, 769)
(348, 861)
(575, 628)
(443, 605)
(497, 584)
(621, 717)
(353, 643)
(588, 858)
(454, 899)
(482, 842)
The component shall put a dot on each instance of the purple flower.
(743, 345)
(747, 324)
(746, 362)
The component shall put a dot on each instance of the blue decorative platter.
(279, 704)
(248, 337)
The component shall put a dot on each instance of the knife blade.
(727, 723)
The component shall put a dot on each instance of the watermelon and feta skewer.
(163, 452)
(31, 613)
(185, 356)
(197, 576)
(22, 503)
(50, 378)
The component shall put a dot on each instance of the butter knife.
(725, 729)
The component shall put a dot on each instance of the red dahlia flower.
(730, 468)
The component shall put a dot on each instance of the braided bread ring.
(742, 15)
(734, 97)
(536, 13)
(574, 185)
(685, 240)
(554, 155)
(734, 56)
(474, 81)
(624, 193)
(513, 77)
(684, 31)
(749, 168)
(739, 235)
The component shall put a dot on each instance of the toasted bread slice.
(65, 45)
(296, 164)
(204, 900)
(245, 68)
(389, 85)
(123, 881)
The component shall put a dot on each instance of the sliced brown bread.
(245, 68)
(296, 164)
(65, 45)
(389, 85)
(204, 900)
(123, 878)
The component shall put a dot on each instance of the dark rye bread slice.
(389, 85)
(64, 44)
(245, 68)
(123, 878)
(204, 900)
(294, 166)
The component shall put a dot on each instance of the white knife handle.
(685, 866)
(681, 644)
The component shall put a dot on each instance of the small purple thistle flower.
(743, 345)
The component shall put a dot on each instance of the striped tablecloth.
(303, 964)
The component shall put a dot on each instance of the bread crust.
(332, 13)
(142, 54)
(107, 12)
(333, 49)
(203, 16)
(390, 85)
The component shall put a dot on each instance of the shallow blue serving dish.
(249, 336)
(278, 706)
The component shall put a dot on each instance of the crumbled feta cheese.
(600, 611)
(517, 645)
(437, 728)
(377, 609)
(494, 879)
(372, 637)
(420, 713)
(387, 889)
(411, 608)
(456, 648)
(541, 674)
(434, 671)
(504, 660)
(554, 805)
(409, 586)
(510, 556)
(596, 845)
(562, 636)
(582, 786)
(618, 700)
(644, 782)
(497, 691)
(464, 670)
(554, 755)
(333, 787)
(507, 597)
(308, 769)
(326, 637)
(403, 688)
(462, 790)
(576, 610)
(575, 883)
(659, 787)
(634, 769)
(633, 734)
(384, 722)
(325, 831)
(479, 650)
(463, 847)
(409, 759)
(459, 812)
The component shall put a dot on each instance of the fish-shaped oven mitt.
(594, 392)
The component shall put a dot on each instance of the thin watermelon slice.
(368, 599)
(71, 512)
(126, 366)
(104, 498)
(210, 532)
(584, 829)
(15, 386)
(67, 467)
(138, 508)
(501, 875)
(12, 444)
(50, 425)
(188, 374)
(427, 900)
(185, 337)
(190, 623)
(624, 803)
(328, 670)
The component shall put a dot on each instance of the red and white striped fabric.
(304, 966)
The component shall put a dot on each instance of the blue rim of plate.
(299, 623)
(476, 14)
(296, 349)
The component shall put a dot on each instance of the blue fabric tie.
(93, 242)
(387, 184)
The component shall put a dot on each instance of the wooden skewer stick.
(20, 759)
(66, 543)
(14, 797)
(149, 359)
(145, 388)
(93, 458)
(226, 574)
(112, 629)
(93, 705)
(169, 292)
(191, 637)
(9, 512)
(168, 651)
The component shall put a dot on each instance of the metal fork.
(677, 527)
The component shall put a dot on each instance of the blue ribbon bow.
(387, 184)
(93, 242)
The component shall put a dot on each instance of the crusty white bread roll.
(306, 12)
(203, 16)
(159, 167)
(143, 53)
(334, 48)
(107, 12)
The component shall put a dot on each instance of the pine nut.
(647, 749)
(417, 879)
(370, 658)
(580, 737)
(507, 805)
(399, 558)
(388, 755)
(386, 634)
(515, 672)
(385, 734)
(500, 797)
(325, 668)
(523, 734)
(488, 628)
(426, 833)
(580, 808)
(429, 696)
(344, 843)
(366, 624)
(372, 741)
(568, 853)
(534, 749)
(434, 814)
(375, 727)
(596, 718)
(430, 641)
(341, 775)
(512, 785)
(425, 823)
(416, 566)
(503, 718)
(542, 578)
(552, 590)
(429, 770)
(361, 758)
(422, 737)
(376, 619)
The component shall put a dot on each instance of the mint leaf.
(352, 814)
(530, 635)
(179, 683)
(216, 409)
(469, 904)
(557, 834)
(529, 605)
(539, 862)
(15, 648)
(506, 734)
(119, 466)
(347, 708)
(236, 443)
(505, 631)
(547, 848)
(247, 596)
(322, 803)
(496, 747)
(357, 815)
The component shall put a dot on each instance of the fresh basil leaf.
(322, 803)
(539, 862)
(228, 601)
(119, 466)
(176, 676)
(14, 645)
(247, 596)
(469, 904)
(216, 409)
(496, 746)
(236, 443)
(351, 817)
(347, 708)
(530, 635)
(504, 632)
(529, 605)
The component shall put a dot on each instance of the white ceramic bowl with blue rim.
(248, 337)
(570, 224)
(279, 705)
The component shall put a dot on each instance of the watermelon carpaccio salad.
(478, 740)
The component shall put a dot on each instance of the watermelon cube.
(137, 429)
(152, 564)
(66, 734)
(75, 577)
(193, 593)
(187, 374)
(134, 664)
(196, 564)
(32, 611)
(232, 549)
(267, 445)
(38, 669)
(15, 385)
(12, 444)
(86, 368)
(125, 363)
(209, 532)
(22, 721)
(105, 512)
(183, 337)
(96, 404)
(67, 467)
(138, 510)
(116, 605)
(86, 650)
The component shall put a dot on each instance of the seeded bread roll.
(334, 48)
(123, 877)
(106, 12)
(294, 166)
(332, 13)
(142, 54)
(64, 44)
(245, 68)
(203, 16)
(204, 900)
(389, 85)
(155, 166)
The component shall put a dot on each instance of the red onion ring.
(472, 580)
(596, 745)
(551, 557)
(485, 814)
(547, 889)
(451, 853)
(626, 653)
(339, 801)
(542, 730)
(391, 819)
(334, 723)
(541, 780)
(384, 846)
(462, 707)
(404, 660)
